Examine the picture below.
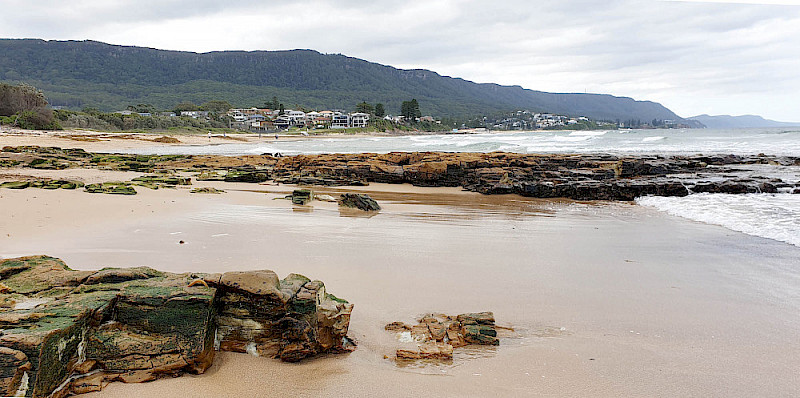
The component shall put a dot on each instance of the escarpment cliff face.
(578, 176)
(70, 332)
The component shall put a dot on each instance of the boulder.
(302, 196)
(359, 201)
(113, 188)
(207, 190)
(66, 331)
(437, 335)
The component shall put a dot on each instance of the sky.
(716, 57)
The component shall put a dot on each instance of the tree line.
(26, 107)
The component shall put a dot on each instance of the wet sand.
(608, 299)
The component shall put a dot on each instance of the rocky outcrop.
(42, 183)
(574, 176)
(437, 335)
(69, 332)
(301, 196)
(359, 201)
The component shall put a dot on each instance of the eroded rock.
(436, 335)
(359, 201)
(66, 331)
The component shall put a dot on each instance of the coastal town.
(266, 120)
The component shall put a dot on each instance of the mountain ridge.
(90, 73)
(742, 121)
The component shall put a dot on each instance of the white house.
(359, 119)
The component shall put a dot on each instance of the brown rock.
(261, 282)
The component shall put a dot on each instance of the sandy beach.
(96, 141)
(606, 299)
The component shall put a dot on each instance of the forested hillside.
(80, 74)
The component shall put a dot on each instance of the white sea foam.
(589, 133)
(742, 142)
(773, 216)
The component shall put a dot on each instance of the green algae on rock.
(114, 188)
(207, 190)
(70, 332)
(43, 184)
(437, 335)
(359, 201)
(301, 196)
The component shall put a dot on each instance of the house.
(194, 114)
(282, 122)
(296, 118)
(340, 121)
(359, 119)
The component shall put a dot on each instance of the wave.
(592, 133)
(772, 216)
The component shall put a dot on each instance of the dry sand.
(95, 141)
(608, 299)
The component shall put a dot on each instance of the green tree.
(379, 110)
(364, 107)
(185, 106)
(410, 110)
(216, 106)
(20, 98)
(28, 106)
(274, 104)
(142, 108)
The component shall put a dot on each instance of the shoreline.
(92, 140)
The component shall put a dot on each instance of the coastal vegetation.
(26, 107)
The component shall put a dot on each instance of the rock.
(208, 190)
(581, 177)
(167, 140)
(253, 176)
(440, 351)
(359, 201)
(397, 327)
(325, 198)
(321, 181)
(68, 331)
(438, 334)
(113, 188)
(302, 196)
(162, 180)
(43, 184)
(15, 185)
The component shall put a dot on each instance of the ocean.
(771, 216)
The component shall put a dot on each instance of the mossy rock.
(207, 190)
(302, 196)
(15, 184)
(166, 180)
(113, 188)
(359, 201)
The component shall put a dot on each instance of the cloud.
(695, 57)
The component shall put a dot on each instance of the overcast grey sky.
(734, 57)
